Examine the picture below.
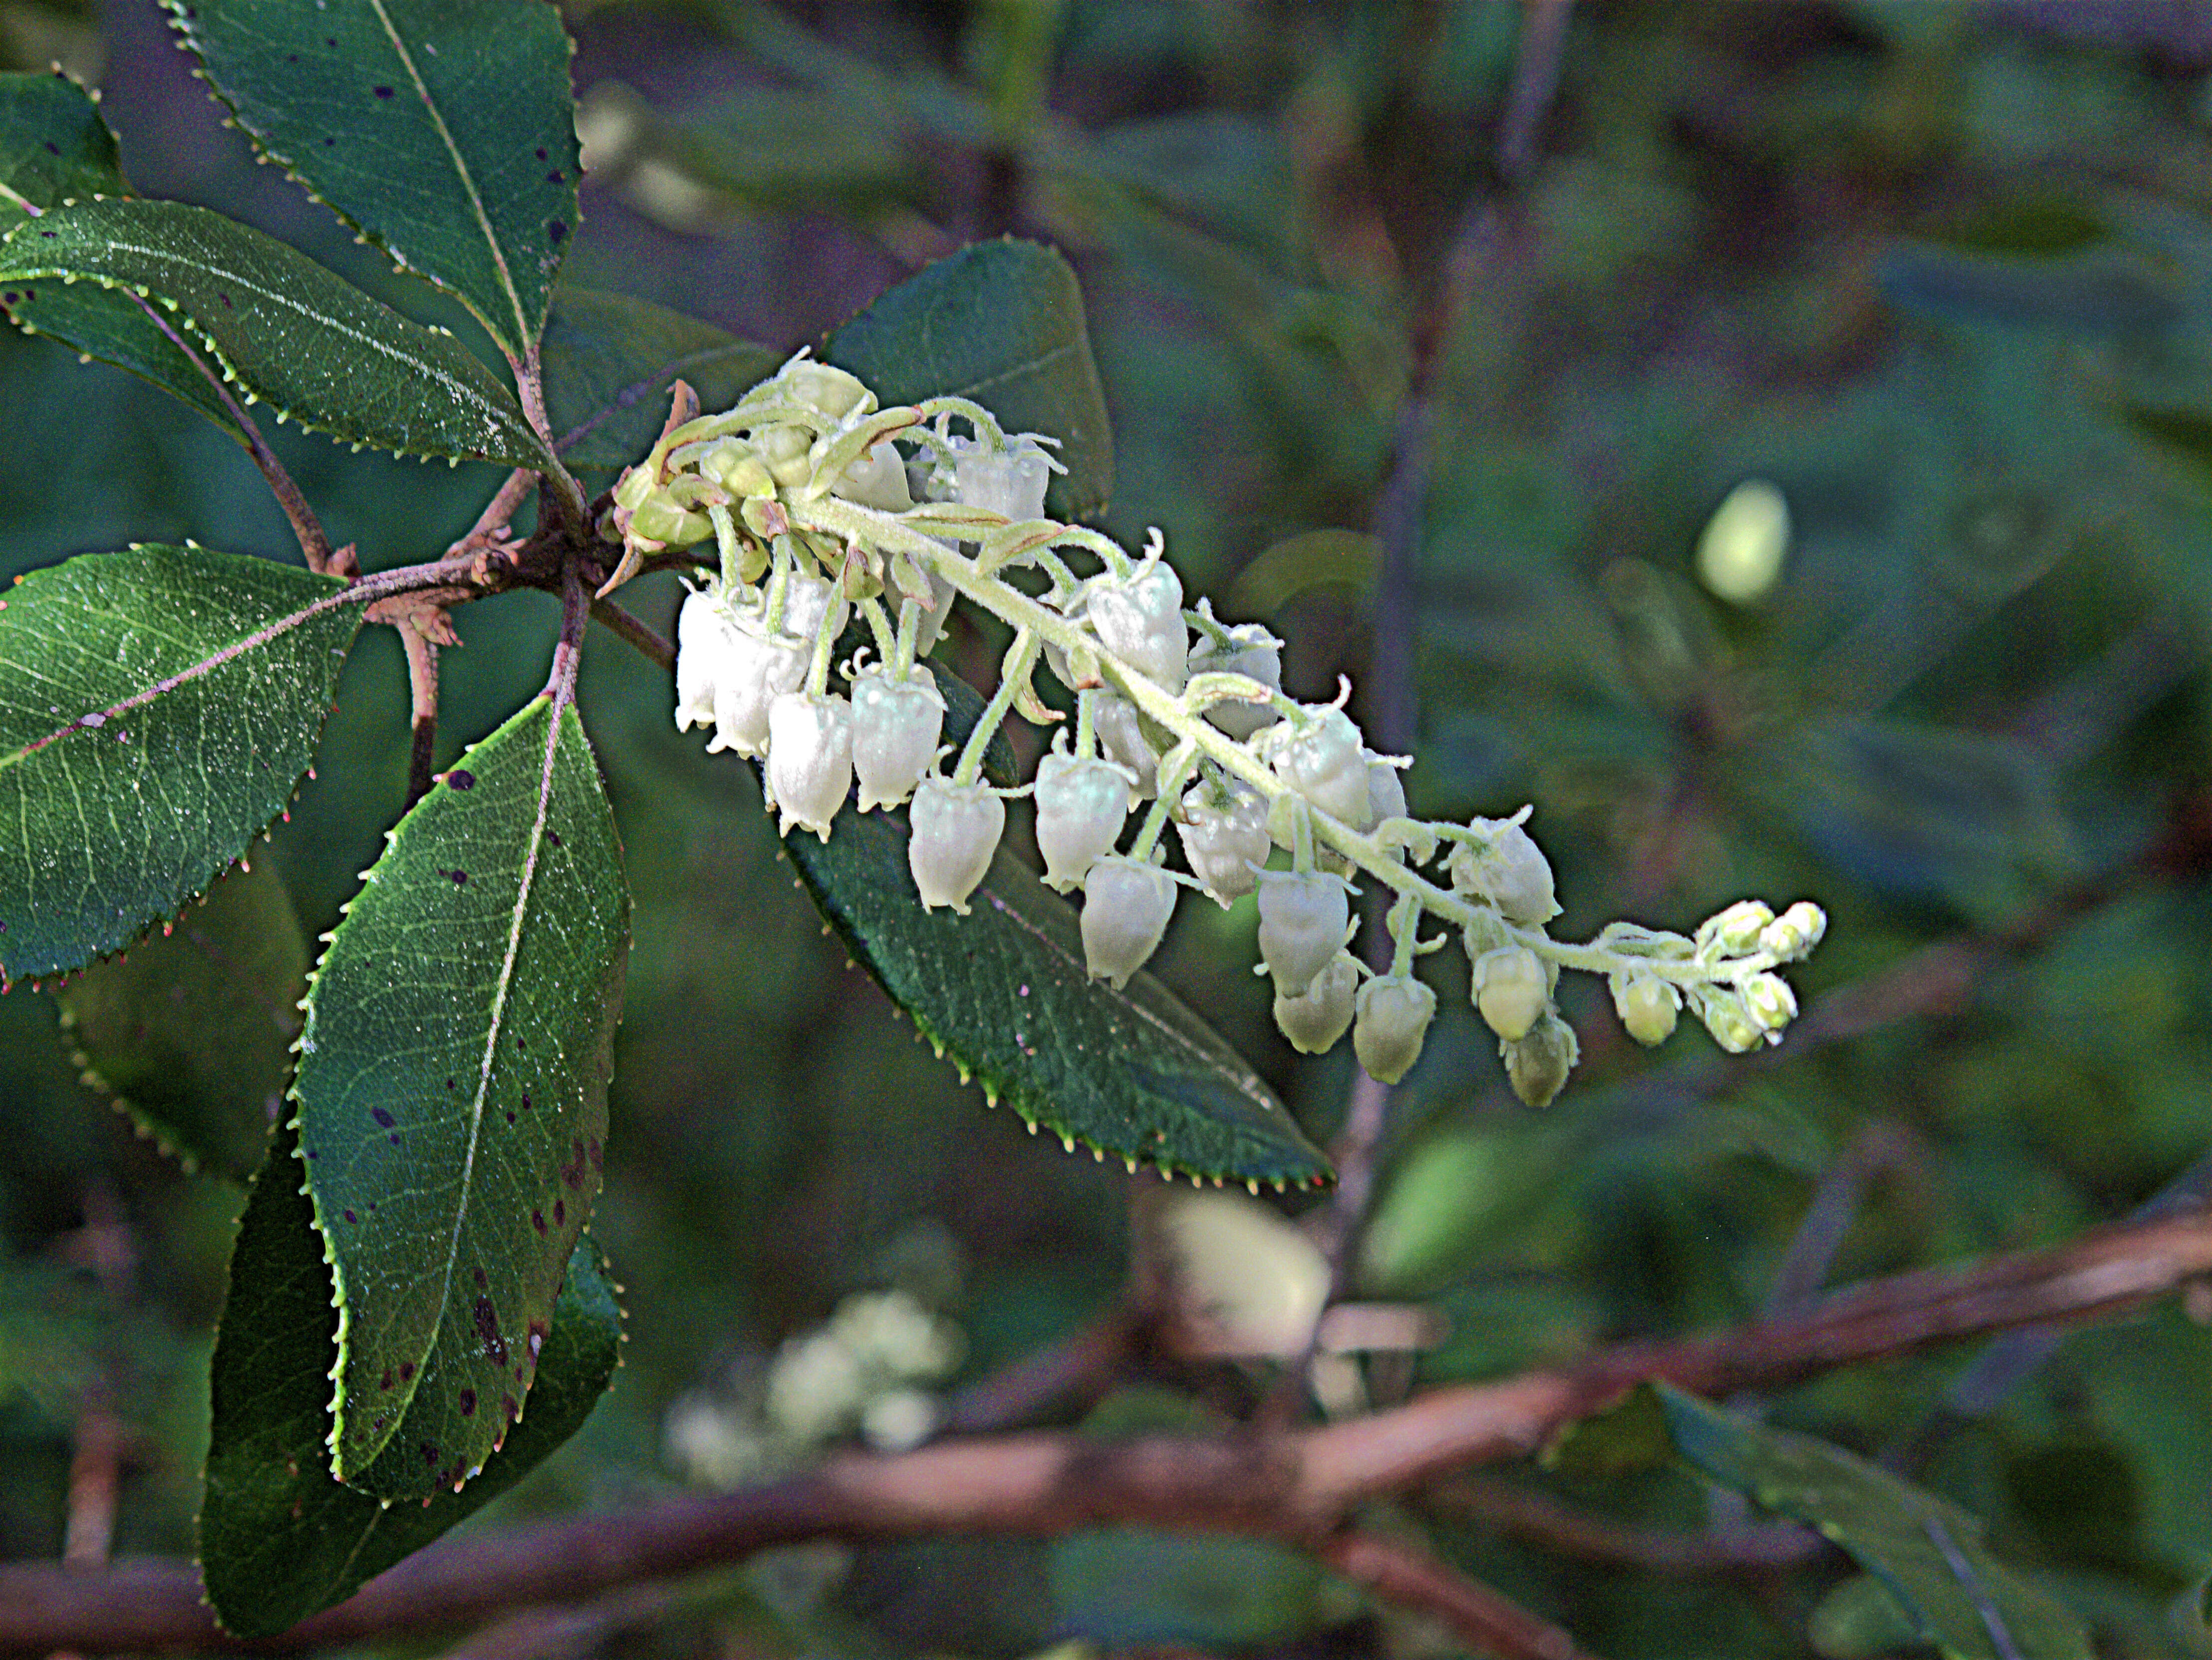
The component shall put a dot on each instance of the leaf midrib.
(522, 331)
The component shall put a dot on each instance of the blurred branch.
(1545, 1521)
(1296, 1487)
(1403, 1574)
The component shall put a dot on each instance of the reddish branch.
(1297, 1487)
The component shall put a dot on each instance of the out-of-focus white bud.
(1304, 919)
(1316, 1019)
(1728, 1019)
(1126, 903)
(956, 828)
(1737, 929)
(896, 727)
(1795, 931)
(1770, 1002)
(1506, 869)
(1224, 831)
(810, 759)
(1511, 990)
(1394, 1012)
(1647, 1006)
(1537, 1065)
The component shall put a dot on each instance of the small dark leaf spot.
(457, 878)
(406, 1370)
(430, 1454)
(511, 1407)
(384, 92)
(350, 1217)
(386, 1383)
(461, 779)
(541, 154)
(572, 1173)
(559, 1211)
(553, 836)
(381, 1117)
(556, 230)
(487, 1318)
(525, 1102)
(537, 1220)
(330, 140)
(393, 1138)
(510, 1118)
(449, 1083)
(482, 1281)
(53, 149)
(519, 1044)
(468, 1403)
(225, 298)
(556, 177)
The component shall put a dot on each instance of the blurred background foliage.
(1940, 274)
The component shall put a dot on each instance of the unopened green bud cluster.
(820, 505)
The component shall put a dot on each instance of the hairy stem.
(423, 696)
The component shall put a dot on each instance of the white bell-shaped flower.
(1508, 870)
(1511, 990)
(1326, 764)
(876, 479)
(1392, 1015)
(1081, 807)
(810, 759)
(1251, 652)
(956, 828)
(756, 672)
(1224, 829)
(1126, 903)
(1386, 790)
(1315, 1019)
(896, 727)
(1304, 916)
(1010, 481)
(1139, 618)
(704, 650)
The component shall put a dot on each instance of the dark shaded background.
(1941, 272)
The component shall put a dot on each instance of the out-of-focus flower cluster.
(822, 505)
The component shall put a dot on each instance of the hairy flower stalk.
(813, 497)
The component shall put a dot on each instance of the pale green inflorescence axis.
(817, 501)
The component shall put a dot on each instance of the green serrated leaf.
(1001, 323)
(1003, 992)
(157, 710)
(278, 1539)
(453, 1092)
(54, 148)
(54, 144)
(284, 329)
(191, 1032)
(443, 131)
(611, 360)
(1926, 1551)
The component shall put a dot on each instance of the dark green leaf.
(157, 710)
(443, 130)
(453, 1090)
(611, 360)
(284, 329)
(279, 1540)
(1002, 991)
(783, 150)
(1002, 323)
(191, 1032)
(54, 144)
(1927, 1551)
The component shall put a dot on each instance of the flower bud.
(810, 759)
(1121, 734)
(896, 727)
(826, 387)
(1304, 919)
(1537, 1065)
(636, 483)
(1647, 1006)
(734, 465)
(657, 519)
(1224, 829)
(1770, 1002)
(876, 479)
(1251, 652)
(1126, 903)
(1139, 618)
(956, 828)
(1507, 869)
(1315, 1019)
(1393, 1014)
(1795, 931)
(1326, 764)
(1736, 930)
(1511, 990)
(785, 450)
(1081, 807)
(1730, 1023)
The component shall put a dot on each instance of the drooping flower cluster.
(820, 504)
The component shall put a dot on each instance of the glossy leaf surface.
(611, 360)
(1926, 1551)
(443, 130)
(1001, 323)
(279, 1540)
(190, 1032)
(451, 1085)
(157, 710)
(284, 328)
(1003, 992)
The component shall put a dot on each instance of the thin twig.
(1410, 1577)
(314, 545)
(626, 628)
(1540, 1520)
(1293, 1486)
(499, 513)
(423, 698)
